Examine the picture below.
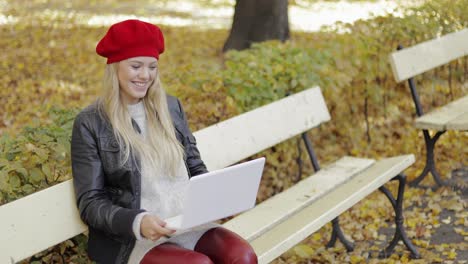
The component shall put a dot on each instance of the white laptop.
(218, 194)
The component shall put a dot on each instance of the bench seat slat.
(256, 221)
(450, 116)
(299, 226)
(38, 221)
(411, 61)
(459, 123)
(240, 137)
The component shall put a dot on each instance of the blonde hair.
(160, 148)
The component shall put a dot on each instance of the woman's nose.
(144, 74)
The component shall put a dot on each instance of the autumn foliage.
(50, 71)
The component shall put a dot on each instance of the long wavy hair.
(160, 149)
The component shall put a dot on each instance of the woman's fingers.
(152, 227)
(164, 231)
(162, 223)
(159, 221)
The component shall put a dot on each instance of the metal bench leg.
(400, 233)
(430, 162)
(337, 233)
(430, 142)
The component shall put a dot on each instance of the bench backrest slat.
(414, 60)
(46, 218)
(38, 221)
(242, 136)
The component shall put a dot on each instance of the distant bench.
(410, 62)
(46, 218)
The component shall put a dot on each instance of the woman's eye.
(153, 68)
(135, 67)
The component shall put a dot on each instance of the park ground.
(49, 61)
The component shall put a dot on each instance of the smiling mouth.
(140, 84)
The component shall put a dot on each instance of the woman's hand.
(153, 228)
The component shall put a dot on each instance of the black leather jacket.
(108, 195)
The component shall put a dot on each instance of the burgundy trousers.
(216, 246)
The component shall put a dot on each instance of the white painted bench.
(46, 218)
(410, 62)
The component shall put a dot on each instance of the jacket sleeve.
(94, 204)
(195, 164)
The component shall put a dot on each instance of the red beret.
(131, 38)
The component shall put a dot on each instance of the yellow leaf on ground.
(317, 236)
(304, 251)
(452, 254)
(452, 204)
(447, 220)
(356, 259)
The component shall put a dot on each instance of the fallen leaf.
(447, 220)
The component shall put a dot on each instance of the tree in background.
(257, 21)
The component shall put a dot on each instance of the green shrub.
(270, 71)
(37, 157)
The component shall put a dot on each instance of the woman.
(132, 155)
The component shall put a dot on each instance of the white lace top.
(162, 196)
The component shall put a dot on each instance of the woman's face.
(135, 77)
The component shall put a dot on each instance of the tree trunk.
(256, 21)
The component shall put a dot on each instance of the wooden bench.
(43, 219)
(410, 62)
